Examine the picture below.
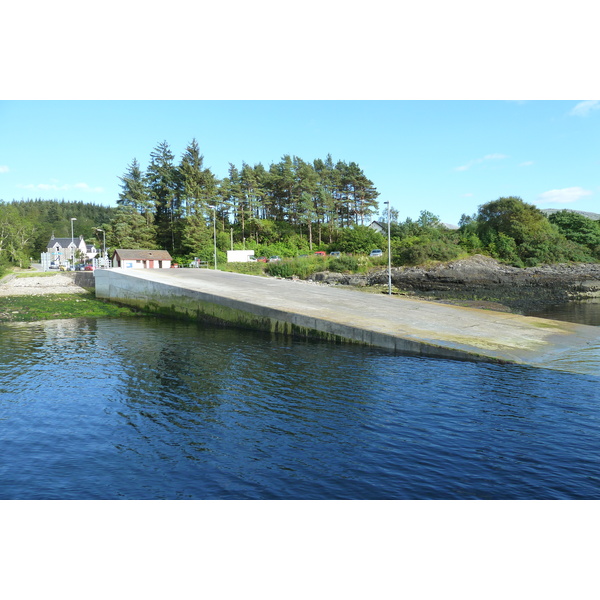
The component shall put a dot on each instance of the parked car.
(275, 259)
(262, 259)
(88, 268)
(335, 254)
(376, 253)
(53, 265)
(320, 253)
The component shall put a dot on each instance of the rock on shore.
(481, 278)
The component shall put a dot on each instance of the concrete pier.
(397, 324)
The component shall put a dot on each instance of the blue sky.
(447, 157)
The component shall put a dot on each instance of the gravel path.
(39, 286)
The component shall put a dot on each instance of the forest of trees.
(172, 205)
(26, 226)
(292, 207)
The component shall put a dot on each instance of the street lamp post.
(103, 246)
(214, 208)
(72, 243)
(389, 251)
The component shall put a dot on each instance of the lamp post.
(103, 246)
(214, 208)
(72, 243)
(389, 251)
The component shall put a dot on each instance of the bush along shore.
(483, 282)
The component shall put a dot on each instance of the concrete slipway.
(398, 324)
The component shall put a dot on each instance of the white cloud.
(563, 196)
(583, 109)
(87, 188)
(3, 169)
(478, 161)
(50, 186)
(54, 187)
(527, 163)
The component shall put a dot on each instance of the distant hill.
(589, 215)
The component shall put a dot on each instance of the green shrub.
(344, 264)
(359, 239)
(504, 248)
(470, 241)
(520, 234)
(577, 228)
(248, 268)
(280, 269)
(424, 249)
(277, 249)
(298, 267)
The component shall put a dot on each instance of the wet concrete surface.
(396, 323)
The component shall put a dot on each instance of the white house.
(65, 249)
(379, 227)
(91, 251)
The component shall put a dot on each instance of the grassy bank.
(59, 306)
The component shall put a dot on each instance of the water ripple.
(153, 409)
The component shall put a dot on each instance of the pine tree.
(197, 237)
(162, 179)
(135, 192)
(308, 212)
(362, 193)
(130, 229)
(236, 198)
(197, 184)
(282, 179)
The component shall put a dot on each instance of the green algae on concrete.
(397, 324)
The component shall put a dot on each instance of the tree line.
(508, 229)
(172, 205)
(26, 226)
(291, 208)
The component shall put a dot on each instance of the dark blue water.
(151, 409)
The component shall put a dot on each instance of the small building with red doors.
(141, 259)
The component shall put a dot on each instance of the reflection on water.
(584, 359)
(586, 312)
(162, 409)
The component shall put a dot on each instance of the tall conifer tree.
(162, 179)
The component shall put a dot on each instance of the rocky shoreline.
(484, 282)
(478, 281)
